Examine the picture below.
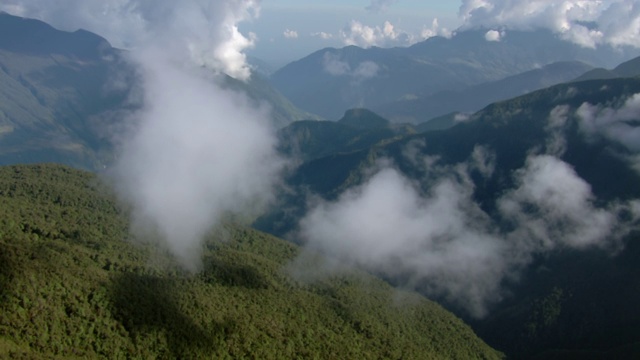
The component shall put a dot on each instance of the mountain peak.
(363, 119)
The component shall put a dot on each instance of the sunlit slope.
(71, 285)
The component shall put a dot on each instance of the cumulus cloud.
(206, 29)
(493, 35)
(356, 33)
(619, 124)
(434, 30)
(433, 235)
(290, 34)
(588, 23)
(195, 152)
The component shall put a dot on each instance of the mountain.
(629, 68)
(569, 303)
(357, 129)
(476, 97)
(75, 284)
(64, 95)
(329, 81)
(57, 93)
(261, 93)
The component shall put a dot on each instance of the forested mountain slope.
(521, 162)
(74, 283)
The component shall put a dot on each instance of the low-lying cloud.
(334, 65)
(619, 124)
(434, 236)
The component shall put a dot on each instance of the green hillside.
(72, 286)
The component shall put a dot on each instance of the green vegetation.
(74, 285)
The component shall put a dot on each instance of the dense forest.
(74, 284)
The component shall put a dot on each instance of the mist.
(193, 154)
(430, 234)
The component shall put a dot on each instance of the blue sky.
(309, 21)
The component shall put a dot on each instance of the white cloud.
(434, 235)
(323, 35)
(386, 226)
(365, 36)
(556, 125)
(493, 35)
(613, 123)
(290, 34)
(434, 30)
(198, 153)
(333, 65)
(552, 206)
(585, 22)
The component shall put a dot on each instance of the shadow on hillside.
(148, 305)
(6, 271)
(229, 273)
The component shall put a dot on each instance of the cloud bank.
(617, 124)
(589, 23)
(432, 235)
(387, 35)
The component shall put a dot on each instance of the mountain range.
(329, 81)
(515, 207)
(565, 303)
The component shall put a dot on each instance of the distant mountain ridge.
(476, 97)
(34, 37)
(629, 68)
(329, 81)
